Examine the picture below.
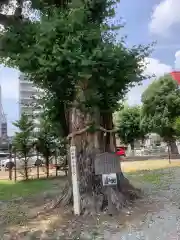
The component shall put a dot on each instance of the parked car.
(121, 152)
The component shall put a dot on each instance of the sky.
(145, 22)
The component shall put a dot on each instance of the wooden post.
(10, 164)
(15, 172)
(56, 161)
(37, 154)
(169, 155)
(75, 183)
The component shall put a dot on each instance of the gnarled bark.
(94, 196)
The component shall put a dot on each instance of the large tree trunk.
(95, 197)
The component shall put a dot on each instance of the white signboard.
(75, 183)
(109, 179)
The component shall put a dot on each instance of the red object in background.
(176, 76)
(121, 152)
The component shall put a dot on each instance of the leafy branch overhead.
(63, 53)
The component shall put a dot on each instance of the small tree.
(128, 125)
(161, 101)
(23, 140)
(45, 142)
(176, 127)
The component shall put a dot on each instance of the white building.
(27, 94)
(3, 120)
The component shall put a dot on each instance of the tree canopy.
(161, 103)
(176, 127)
(128, 124)
(64, 54)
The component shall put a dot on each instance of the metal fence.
(14, 168)
(33, 173)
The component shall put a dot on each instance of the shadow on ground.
(16, 219)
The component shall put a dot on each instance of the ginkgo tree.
(71, 52)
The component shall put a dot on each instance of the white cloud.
(177, 60)
(154, 67)
(165, 15)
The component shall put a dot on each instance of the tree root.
(110, 199)
(66, 197)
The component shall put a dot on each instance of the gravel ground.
(163, 224)
(154, 217)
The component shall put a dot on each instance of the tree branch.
(106, 130)
(79, 132)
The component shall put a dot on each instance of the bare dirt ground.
(33, 174)
(158, 209)
(23, 223)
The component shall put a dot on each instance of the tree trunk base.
(109, 199)
(66, 197)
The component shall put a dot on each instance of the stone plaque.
(107, 163)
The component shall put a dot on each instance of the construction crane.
(3, 121)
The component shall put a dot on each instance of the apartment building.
(3, 120)
(26, 93)
(27, 99)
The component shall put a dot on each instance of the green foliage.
(96, 10)
(45, 141)
(71, 57)
(48, 141)
(176, 127)
(161, 103)
(128, 124)
(55, 112)
(22, 141)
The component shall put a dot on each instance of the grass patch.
(150, 171)
(154, 177)
(151, 177)
(148, 165)
(10, 190)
